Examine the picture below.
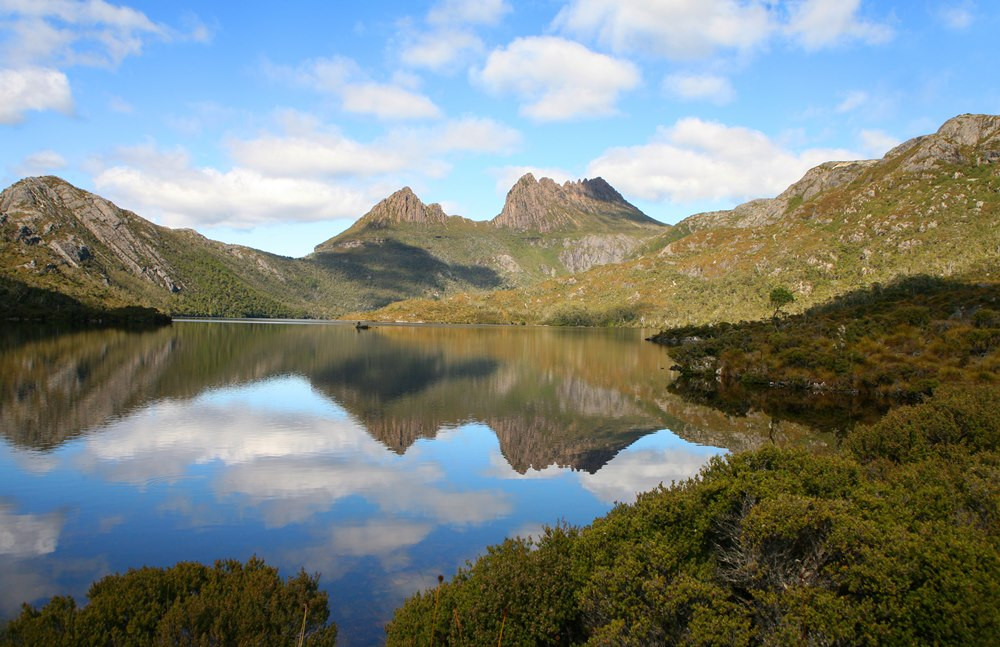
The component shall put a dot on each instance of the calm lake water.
(378, 458)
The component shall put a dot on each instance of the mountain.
(544, 206)
(929, 206)
(67, 248)
(575, 253)
(60, 240)
(403, 247)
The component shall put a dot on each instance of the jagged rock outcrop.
(544, 206)
(79, 227)
(404, 206)
(972, 139)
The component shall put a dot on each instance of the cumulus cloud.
(41, 163)
(476, 12)
(436, 50)
(449, 34)
(292, 465)
(678, 29)
(816, 24)
(704, 160)
(465, 135)
(635, 471)
(342, 77)
(387, 102)
(33, 88)
(557, 79)
(166, 186)
(688, 29)
(705, 87)
(38, 38)
(76, 33)
(28, 535)
(302, 171)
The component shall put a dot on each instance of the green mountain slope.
(930, 206)
(62, 241)
(403, 247)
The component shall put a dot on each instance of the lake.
(379, 458)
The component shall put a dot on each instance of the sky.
(277, 125)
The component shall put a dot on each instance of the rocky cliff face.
(544, 206)
(404, 206)
(52, 223)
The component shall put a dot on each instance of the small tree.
(780, 297)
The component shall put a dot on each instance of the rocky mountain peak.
(963, 139)
(544, 205)
(70, 227)
(404, 206)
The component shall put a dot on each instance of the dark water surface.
(378, 458)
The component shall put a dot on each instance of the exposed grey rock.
(404, 206)
(962, 139)
(580, 254)
(76, 221)
(544, 206)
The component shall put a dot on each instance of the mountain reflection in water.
(379, 459)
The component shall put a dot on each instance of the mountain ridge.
(571, 253)
(929, 206)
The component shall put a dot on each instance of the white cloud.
(166, 187)
(308, 149)
(557, 79)
(343, 77)
(877, 143)
(302, 172)
(477, 12)
(32, 88)
(314, 154)
(703, 160)
(688, 29)
(41, 163)
(468, 134)
(379, 537)
(76, 33)
(708, 87)
(816, 24)
(854, 100)
(958, 16)
(507, 175)
(677, 29)
(635, 471)
(28, 535)
(387, 102)
(449, 37)
(437, 50)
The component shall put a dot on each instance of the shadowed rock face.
(544, 206)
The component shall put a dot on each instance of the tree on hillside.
(780, 297)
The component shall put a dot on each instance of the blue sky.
(277, 125)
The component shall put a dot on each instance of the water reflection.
(379, 458)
